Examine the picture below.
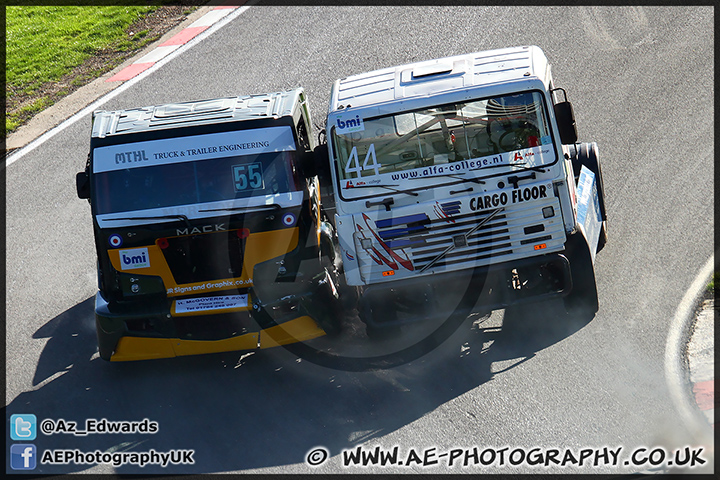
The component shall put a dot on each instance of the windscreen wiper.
(261, 208)
(158, 217)
(453, 175)
(537, 168)
(389, 187)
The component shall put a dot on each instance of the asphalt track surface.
(641, 82)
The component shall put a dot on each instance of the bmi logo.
(135, 258)
(346, 124)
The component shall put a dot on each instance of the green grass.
(45, 43)
(713, 280)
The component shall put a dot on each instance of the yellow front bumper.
(147, 348)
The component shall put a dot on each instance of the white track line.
(675, 374)
(117, 91)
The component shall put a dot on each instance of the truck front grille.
(455, 241)
(203, 257)
(489, 239)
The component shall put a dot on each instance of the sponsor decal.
(588, 207)
(135, 258)
(348, 124)
(288, 219)
(394, 259)
(115, 240)
(361, 183)
(355, 160)
(205, 304)
(517, 195)
(445, 211)
(222, 284)
(192, 148)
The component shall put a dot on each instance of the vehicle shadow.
(251, 410)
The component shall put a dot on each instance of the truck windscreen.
(194, 182)
(464, 138)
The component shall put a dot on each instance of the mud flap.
(583, 297)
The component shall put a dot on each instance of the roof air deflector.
(193, 108)
(430, 70)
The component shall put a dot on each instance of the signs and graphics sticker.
(135, 258)
(211, 303)
(115, 240)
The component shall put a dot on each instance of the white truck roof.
(430, 77)
(229, 109)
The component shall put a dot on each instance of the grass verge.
(53, 50)
(713, 281)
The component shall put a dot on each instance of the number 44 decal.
(349, 168)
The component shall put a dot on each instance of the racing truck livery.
(207, 225)
(463, 173)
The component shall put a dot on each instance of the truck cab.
(462, 173)
(207, 225)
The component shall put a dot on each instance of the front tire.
(374, 312)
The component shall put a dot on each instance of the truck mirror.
(565, 118)
(566, 122)
(82, 183)
(307, 164)
(322, 163)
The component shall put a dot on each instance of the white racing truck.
(463, 173)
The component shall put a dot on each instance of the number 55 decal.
(249, 175)
(357, 169)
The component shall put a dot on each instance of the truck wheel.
(583, 298)
(587, 154)
(348, 295)
(106, 342)
(370, 311)
(330, 312)
(323, 305)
